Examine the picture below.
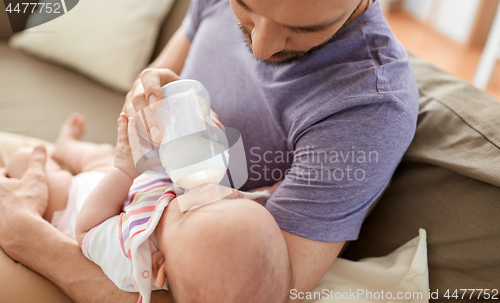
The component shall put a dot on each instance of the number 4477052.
(481, 293)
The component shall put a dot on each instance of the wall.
(456, 17)
(453, 18)
(419, 8)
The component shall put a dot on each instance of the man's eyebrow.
(242, 4)
(312, 28)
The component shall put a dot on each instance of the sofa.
(447, 183)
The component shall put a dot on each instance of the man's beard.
(285, 57)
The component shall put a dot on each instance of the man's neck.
(363, 6)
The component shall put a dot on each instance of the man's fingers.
(152, 123)
(152, 80)
(36, 163)
(137, 95)
(275, 186)
(149, 117)
(215, 118)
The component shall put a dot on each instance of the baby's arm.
(107, 198)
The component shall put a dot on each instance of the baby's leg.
(78, 156)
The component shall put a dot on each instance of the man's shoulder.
(209, 6)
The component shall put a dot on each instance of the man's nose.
(268, 38)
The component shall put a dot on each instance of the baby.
(135, 228)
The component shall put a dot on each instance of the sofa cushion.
(449, 184)
(110, 41)
(36, 97)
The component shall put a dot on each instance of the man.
(325, 100)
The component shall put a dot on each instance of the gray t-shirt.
(334, 124)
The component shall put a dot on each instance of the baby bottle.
(194, 150)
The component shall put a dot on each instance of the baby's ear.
(159, 274)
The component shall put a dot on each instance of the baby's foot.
(73, 129)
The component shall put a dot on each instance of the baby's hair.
(269, 281)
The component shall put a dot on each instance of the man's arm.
(164, 69)
(174, 54)
(44, 249)
(310, 260)
(35, 243)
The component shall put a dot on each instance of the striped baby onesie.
(122, 245)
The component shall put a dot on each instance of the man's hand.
(26, 196)
(271, 189)
(30, 192)
(147, 92)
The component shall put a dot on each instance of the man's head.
(231, 250)
(280, 31)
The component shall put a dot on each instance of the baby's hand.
(123, 154)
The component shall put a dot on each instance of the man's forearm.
(310, 260)
(174, 54)
(56, 256)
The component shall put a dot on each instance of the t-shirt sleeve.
(86, 242)
(341, 165)
(102, 246)
(194, 17)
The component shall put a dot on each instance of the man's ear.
(159, 275)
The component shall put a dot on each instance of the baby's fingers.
(122, 130)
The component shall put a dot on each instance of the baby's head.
(229, 251)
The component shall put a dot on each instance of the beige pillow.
(401, 276)
(110, 41)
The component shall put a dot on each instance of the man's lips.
(272, 59)
(279, 57)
